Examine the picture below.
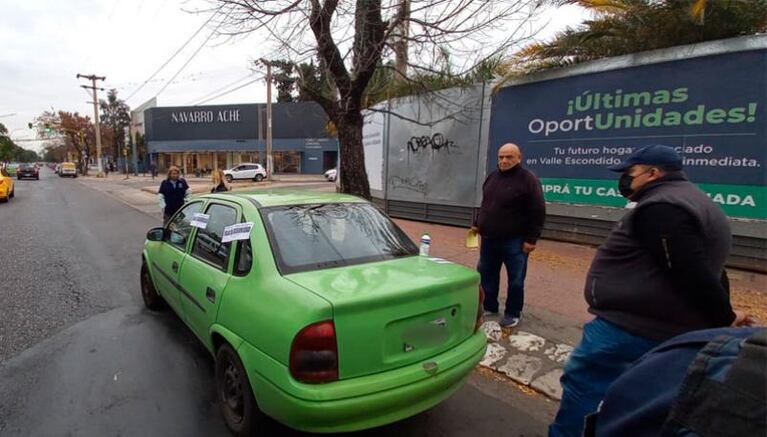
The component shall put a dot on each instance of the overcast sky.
(44, 44)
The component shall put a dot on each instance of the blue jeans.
(493, 254)
(604, 353)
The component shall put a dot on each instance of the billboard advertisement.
(711, 109)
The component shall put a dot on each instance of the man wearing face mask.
(659, 274)
(510, 220)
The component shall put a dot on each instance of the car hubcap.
(232, 391)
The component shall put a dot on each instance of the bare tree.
(354, 39)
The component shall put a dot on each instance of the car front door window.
(181, 226)
(207, 245)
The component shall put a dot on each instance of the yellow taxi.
(6, 186)
(68, 169)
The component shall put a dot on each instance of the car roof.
(281, 197)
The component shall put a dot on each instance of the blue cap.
(651, 155)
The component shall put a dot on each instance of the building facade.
(199, 139)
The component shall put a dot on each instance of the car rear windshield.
(313, 237)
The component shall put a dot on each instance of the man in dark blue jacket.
(172, 194)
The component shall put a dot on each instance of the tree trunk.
(354, 179)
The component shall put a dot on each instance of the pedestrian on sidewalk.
(659, 274)
(219, 182)
(509, 221)
(173, 193)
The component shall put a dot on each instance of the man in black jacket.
(659, 274)
(510, 220)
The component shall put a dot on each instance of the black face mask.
(624, 184)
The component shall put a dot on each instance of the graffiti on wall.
(408, 183)
(435, 142)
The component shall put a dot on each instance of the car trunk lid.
(394, 313)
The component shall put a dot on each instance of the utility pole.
(93, 78)
(268, 117)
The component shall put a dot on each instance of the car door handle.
(174, 266)
(211, 295)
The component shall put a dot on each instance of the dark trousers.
(493, 254)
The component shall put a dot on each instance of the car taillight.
(480, 310)
(314, 354)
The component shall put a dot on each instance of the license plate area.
(423, 335)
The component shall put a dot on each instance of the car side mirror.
(156, 234)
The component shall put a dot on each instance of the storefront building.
(199, 139)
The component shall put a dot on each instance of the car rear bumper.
(364, 402)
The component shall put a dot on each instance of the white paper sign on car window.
(240, 231)
(200, 220)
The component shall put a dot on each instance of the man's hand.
(743, 319)
(528, 247)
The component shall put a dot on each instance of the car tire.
(235, 396)
(13, 193)
(152, 300)
(229, 178)
(259, 178)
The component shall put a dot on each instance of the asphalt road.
(80, 356)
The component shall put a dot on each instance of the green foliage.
(10, 151)
(311, 78)
(621, 27)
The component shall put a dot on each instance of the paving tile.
(549, 385)
(493, 331)
(521, 368)
(559, 353)
(495, 353)
(526, 342)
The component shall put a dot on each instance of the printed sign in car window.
(240, 231)
(200, 220)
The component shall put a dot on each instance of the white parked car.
(331, 174)
(254, 172)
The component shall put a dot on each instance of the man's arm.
(474, 220)
(537, 211)
(676, 243)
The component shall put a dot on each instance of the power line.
(212, 33)
(230, 91)
(173, 56)
(219, 89)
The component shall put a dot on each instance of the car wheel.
(259, 178)
(229, 178)
(13, 193)
(152, 300)
(234, 394)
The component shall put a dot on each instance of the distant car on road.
(331, 175)
(68, 169)
(27, 171)
(251, 171)
(320, 313)
(7, 188)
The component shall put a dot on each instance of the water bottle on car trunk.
(425, 244)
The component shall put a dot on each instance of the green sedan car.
(318, 309)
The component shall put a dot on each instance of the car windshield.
(313, 237)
